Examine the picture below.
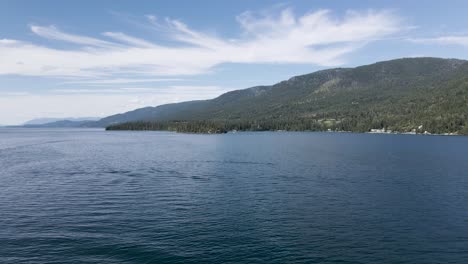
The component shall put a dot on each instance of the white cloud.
(444, 40)
(54, 33)
(174, 90)
(121, 81)
(8, 42)
(314, 38)
(141, 43)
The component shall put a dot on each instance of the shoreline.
(283, 131)
(230, 132)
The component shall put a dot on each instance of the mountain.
(40, 121)
(45, 121)
(61, 124)
(409, 94)
(162, 112)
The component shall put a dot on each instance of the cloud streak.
(121, 81)
(54, 33)
(314, 38)
(443, 40)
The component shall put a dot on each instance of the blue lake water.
(90, 196)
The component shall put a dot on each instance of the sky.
(97, 58)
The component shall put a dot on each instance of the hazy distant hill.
(60, 122)
(430, 94)
(43, 121)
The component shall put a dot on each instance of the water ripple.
(98, 197)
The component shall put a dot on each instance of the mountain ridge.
(48, 120)
(394, 93)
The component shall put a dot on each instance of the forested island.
(411, 95)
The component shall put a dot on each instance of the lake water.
(90, 196)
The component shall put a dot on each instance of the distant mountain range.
(42, 121)
(60, 122)
(405, 95)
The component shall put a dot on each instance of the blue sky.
(96, 58)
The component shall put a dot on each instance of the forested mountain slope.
(427, 94)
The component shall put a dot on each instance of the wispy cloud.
(52, 32)
(136, 42)
(174, 90)
(443, 40)
(314, 38)
(6, 42)
(121, 81)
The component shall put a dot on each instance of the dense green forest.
(420, 95)
(355, 124)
